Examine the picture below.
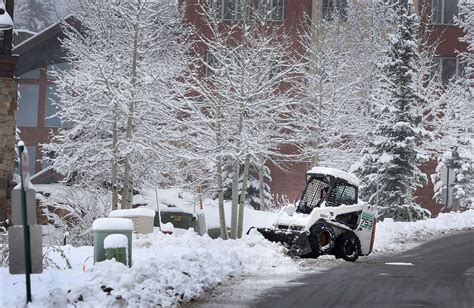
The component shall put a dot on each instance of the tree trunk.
(261, 188)
(127, 192)
(220, 194)
(235, 183)
(243, 192)
(114, 162)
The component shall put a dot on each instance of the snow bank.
(136, 212)
(396, 236)
(112, 224)
(115, 241)
(167, 270)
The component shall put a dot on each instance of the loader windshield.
(316, 192)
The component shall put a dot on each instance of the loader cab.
(328, 190)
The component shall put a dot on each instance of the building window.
(443, 11)
(448, 68)
(27, 113)
(50, 118)
(211, 63)
(271, 9)
(237, 9)
(230, 9)
(331, 7)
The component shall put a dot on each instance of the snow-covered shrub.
(3, 247)
(73, 210)
(404, 212)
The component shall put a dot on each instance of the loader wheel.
(321, 239)
(347, 246)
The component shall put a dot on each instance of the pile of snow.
(167, 227)
(136, 212)
(112, 224)
(393, 236)
(115, 241)
(167, 270)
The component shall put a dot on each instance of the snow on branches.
(117, 98)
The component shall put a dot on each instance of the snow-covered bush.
(3, 247)
(73, 210)
(404, 212)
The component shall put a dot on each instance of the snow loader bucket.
(295, 241)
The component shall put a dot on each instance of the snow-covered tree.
(466, 22)
(389, 167)
(117, 98)
(342, 51)
(454, 142)
(242, 107)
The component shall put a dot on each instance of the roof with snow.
(43, 47)
(136, 212)
(102, 224)
(348, 177)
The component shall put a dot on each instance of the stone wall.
(8, 106)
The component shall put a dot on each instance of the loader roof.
(348, 177)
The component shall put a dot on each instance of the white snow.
(393, 236)
(112, 224)
(400, 263)
(167, 270)
(350, 178)
(136, 212)
(167, 227)
(116, 241)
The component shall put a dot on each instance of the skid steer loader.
(328, 218)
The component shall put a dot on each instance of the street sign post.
(25, 242)
(447, 177)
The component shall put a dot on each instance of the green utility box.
(104, 227)
(120, 254)
(180, 220)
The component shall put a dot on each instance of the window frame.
(342, 13)
(438, 64)
(271, 16)
(442, 11)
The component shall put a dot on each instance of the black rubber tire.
(322, 239)
(347, 246)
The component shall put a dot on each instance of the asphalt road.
(441, 275)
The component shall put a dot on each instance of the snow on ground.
(167, 269)
(170, 269)
(393, 236)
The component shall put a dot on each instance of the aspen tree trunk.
(261, 188)
(243, 192)
(127, 196)
(315, 159)
(220, 188)
(114, 161)
(235, 183)
(220, 193)
(235, 180)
